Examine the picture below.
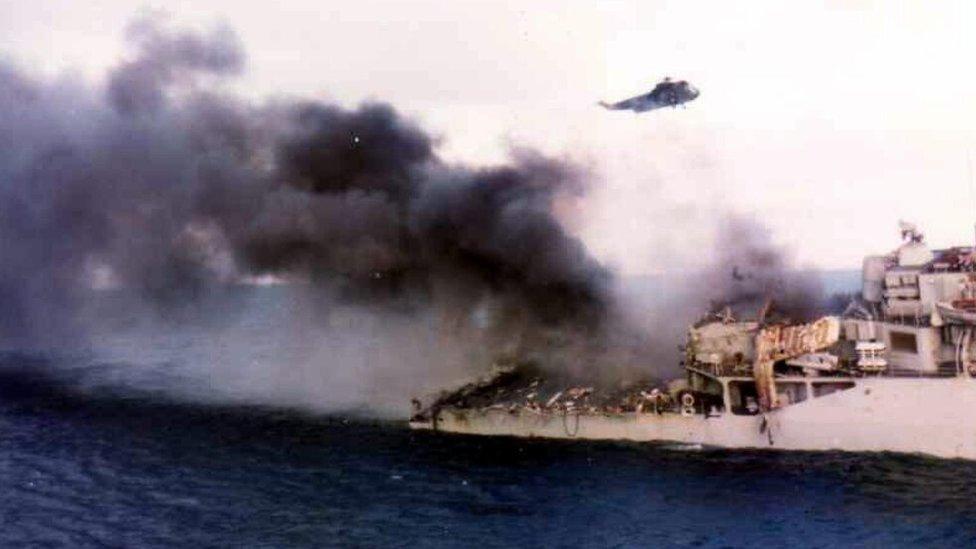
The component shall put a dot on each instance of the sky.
(827, 121)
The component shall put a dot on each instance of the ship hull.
(913, 415)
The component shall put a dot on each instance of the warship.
(894, 372)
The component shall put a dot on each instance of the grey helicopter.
(667, 93)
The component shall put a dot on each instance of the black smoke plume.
(403, 272)
(163, 182)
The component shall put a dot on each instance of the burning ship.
(894, 372)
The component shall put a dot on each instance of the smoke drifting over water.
(403, 272)
(163, 183)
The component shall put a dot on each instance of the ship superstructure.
(894, 372)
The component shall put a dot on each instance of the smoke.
(750, 268)
(164, 58)
(164, 184)
(393, 272)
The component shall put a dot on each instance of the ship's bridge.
(915, 317)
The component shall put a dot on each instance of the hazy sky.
(830, 123)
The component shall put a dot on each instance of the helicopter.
(667, 93)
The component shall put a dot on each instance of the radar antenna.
(910, 232)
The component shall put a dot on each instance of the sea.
(109, 468)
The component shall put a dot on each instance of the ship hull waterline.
(929, 416)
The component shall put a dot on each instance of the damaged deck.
(522, 390)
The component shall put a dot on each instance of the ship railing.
(943, 371)
(917, 320)
(725, 370)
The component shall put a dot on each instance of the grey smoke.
(163, 184)
(750, 268)
(405, 272)
(165, 57)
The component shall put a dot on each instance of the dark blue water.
(97, 453)
(82, 470)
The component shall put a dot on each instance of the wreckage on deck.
(522, 388)
(717, 347)
(895, 372)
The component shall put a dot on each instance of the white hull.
(921, 415)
